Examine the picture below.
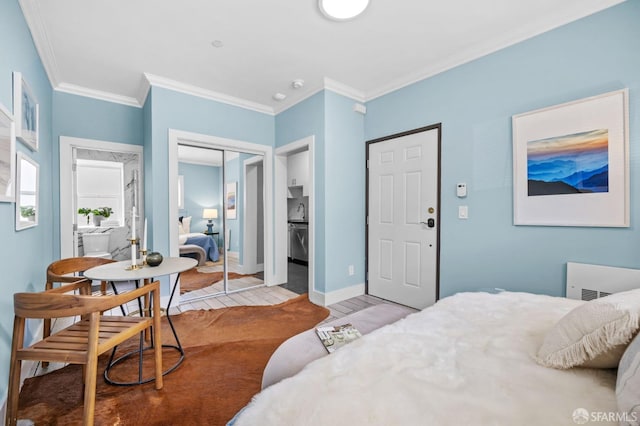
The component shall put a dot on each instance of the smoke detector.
(297, 83)
(279, 96)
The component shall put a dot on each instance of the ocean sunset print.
(571, 164)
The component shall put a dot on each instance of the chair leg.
(157, 349)
(46, 325)
(14, 372)
(91, 371)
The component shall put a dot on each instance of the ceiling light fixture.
(342, 10)
(217, 43)
(279, 97)
(298, 83)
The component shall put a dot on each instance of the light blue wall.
(202, 189)
(474, 103)
(173, 110)
(305, 119)
(82, 117)
(24, 255)
(344, 179)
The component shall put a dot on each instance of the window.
(100, 184)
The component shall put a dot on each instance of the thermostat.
(461, 190)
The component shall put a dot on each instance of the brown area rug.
(226, 352)
(193, 280)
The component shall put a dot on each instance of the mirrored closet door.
(221, 221)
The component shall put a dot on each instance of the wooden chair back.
(82, 342)
(59, 272)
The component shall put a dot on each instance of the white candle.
(133, 223)
(144, 237)
(134, 254)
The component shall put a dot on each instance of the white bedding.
(182, 238)
(466, 360)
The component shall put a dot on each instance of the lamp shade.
(210, 214)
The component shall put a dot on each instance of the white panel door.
(403, 218)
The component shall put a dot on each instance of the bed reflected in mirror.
(221, 220)
(200, 223)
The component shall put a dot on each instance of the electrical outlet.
(352, 270)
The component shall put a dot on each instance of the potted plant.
(85, 211)
(101, 213)
(29, 212)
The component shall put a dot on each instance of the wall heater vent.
(589, 294)
(588, 282)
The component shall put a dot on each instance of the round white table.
(119, 272)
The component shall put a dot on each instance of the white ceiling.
(115, 49)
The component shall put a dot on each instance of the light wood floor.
(256, 296)
(274, 295)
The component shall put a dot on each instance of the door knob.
(430, 223)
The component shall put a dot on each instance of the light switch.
(463, 212)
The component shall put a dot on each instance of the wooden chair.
(82, 342)
(68, 271)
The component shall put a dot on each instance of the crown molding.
(525, 32)
(33, 17)
(344, 90)
(97, 94)
(188, 89)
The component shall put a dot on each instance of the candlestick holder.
(143, 253)
(134, 256)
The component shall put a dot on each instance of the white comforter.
(468, 360)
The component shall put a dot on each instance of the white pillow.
(180, 228)
(594, 334)
(186, 224)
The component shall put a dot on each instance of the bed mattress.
(469, 359)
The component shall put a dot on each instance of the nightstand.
(215, 235)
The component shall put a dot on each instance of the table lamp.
(210, 214)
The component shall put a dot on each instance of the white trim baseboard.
(336, 296)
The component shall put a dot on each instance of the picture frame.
(231, 200)
(27, 191)
(26, 111)
(7, 156)
(571, 163)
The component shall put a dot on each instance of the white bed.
(469, 359)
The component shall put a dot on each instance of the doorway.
(294, 217)
(403, 217)
(96, 175)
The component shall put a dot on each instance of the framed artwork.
(26, 112)
(232, 190)
(571, 163)
(27, 192)
(7, 156)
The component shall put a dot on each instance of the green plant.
(103, 211)
(27, 211)
(85, 211)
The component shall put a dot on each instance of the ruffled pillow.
(594, 334)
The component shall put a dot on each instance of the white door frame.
(250, 264)
(280, 211)
(67, 145)
(177, 137)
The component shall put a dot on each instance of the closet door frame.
(177, 137)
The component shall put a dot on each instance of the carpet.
(226, 352)
(193, 280)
